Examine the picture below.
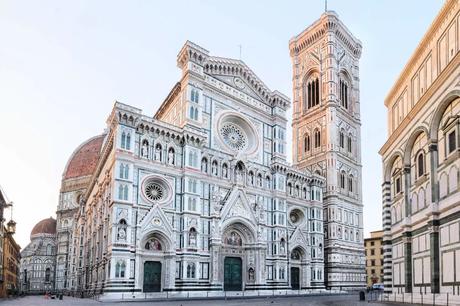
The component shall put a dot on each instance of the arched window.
(191, 270)
(49, 249)
(47, 275)
(120, 268)
(128, 141)
(342, 139)
(306, 144)
(342, 180)
(290, 188)
(350, 183)
(343, 93)
(123, 140)
(420, 165)
(312, 92)
(317, 138)
(122, 170)
(120, 192)
(125, 193)
(349, 143)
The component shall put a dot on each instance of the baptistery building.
(200, 196)
(421, 162)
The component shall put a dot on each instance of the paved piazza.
(343, 300)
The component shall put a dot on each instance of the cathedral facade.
(200, 196)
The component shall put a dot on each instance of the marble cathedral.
(200, 196)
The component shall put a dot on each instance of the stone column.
(215, 267)
(434, 254)
(408, 261)
(386, 241)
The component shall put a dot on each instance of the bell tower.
(327, 138)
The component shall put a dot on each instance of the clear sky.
(64, 63)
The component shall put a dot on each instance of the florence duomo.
(201, 196)
(166, 169)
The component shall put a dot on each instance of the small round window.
(156, 190)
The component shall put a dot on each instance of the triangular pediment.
(238, 206)
(237, 83)
(298, 239)
(156, 220)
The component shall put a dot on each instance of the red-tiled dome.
(84, 159)
(46, 226)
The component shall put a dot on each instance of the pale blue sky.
(64, 63)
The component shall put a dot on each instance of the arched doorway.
(154, 248)
(296, 265)
(238, 255)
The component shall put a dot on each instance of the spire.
(325, 6)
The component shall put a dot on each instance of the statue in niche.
(121, 234)
(145, 149)
(171, 157)
(214, 169)
(251, 274)
(192, 237)
(282, 245)
(158, 153)
(224, 171)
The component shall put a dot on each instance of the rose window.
(296, 216)
(154, 191)
(234, 136)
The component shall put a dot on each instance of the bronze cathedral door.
(152, 276)
(233, 280)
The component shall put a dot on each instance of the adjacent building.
(374, 258)
(421, 162)
(11, 260)
(327, 139)
(38, 259)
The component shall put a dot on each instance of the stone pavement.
(337, 300)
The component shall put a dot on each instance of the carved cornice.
(329, 22)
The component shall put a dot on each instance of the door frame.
(161, 274)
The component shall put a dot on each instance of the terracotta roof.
(84, 159)
(46, 226)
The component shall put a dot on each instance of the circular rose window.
(237, 133)
(234, 136)
(296, 216)
(155, 189)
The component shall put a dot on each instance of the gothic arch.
(410, 144)
(246, 229)
(166, 243)
(389, 165)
